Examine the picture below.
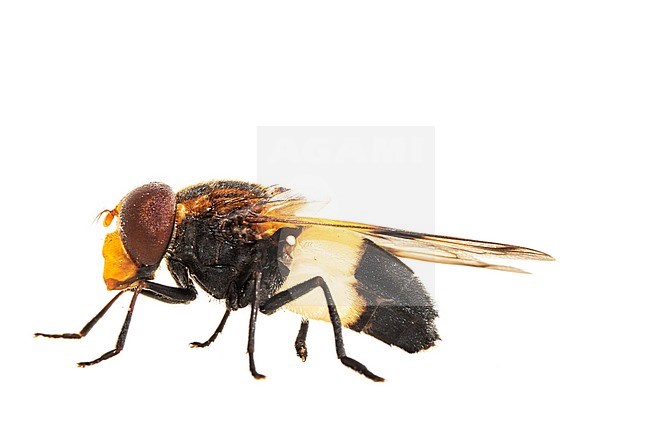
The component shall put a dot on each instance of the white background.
(541, 114)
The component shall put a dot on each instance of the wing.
(374, 292)
(280, 212)
(284, 201)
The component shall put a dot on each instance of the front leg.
(86, 329)
(121, 339)
(183, 294)
(169, 294)
(173, 295)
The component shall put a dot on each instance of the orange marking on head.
(118, 266)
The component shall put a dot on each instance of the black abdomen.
(398, 311)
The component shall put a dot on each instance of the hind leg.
(283, 298)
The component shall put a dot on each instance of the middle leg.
(216, 333)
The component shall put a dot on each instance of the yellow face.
(118, 266)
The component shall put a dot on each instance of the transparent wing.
(402, 243)
(284, 201)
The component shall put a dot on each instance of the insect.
(246, 245)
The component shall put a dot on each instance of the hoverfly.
(246, 245)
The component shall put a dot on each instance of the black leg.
(121, 338)
(251, 326)
(180, 274)
(301, 340)
(210, 340)
(86, 329)
(168, 294)
(295, 292)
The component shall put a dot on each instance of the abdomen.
(374, 292)
(398, 310)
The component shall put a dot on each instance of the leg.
(251, 327)
(283, 298)
(180, 274)
(168, 294)
(183, 294)
(86, 329)
(301, 343)
(121, 338)
(216, 333)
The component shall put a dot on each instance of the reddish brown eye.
(146, 222)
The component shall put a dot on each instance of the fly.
(245, 244)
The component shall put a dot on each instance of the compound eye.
(146, 222)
